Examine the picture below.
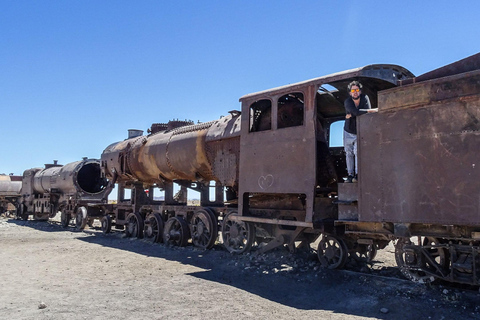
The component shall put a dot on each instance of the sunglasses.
(355, 90)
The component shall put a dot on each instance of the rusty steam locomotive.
(267, 176)
(72, 189)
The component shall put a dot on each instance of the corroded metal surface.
(279, 159)
(465, 65)
(80, 176)
(420, 164)
(62, 188)
(202, 152)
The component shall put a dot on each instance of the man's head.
(355, 89)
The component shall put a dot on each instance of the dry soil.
(48, 272)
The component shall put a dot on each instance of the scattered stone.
(384, 310)
(42, 305)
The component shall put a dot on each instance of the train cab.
(289, 173)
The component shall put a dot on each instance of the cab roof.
(384, 72)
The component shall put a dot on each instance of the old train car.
(71, 189)
(9, 193)
(418, 160)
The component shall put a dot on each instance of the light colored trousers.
(350, 146)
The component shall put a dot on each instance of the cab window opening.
(261, 115)
(290, 110)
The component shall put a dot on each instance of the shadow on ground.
(338, 291)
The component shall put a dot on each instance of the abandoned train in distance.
(10, 186)
(267, 175)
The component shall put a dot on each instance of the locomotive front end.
(62, 188)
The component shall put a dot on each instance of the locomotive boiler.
(68, 189)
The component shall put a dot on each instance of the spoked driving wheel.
(238, 236)
(420, 260)
(176, 232)
(134, 226)
(154, 226)
(81, 218)
(204, 228)
(332, 252)
(106, 223)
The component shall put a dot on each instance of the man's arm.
(351, 109)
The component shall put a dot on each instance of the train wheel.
(106, 224)
(22, 212)
(332, 252)
(238, 236)
(204, 229)
(414, 265)
(365, 252)
(134, 226)
(40, 216)
(65, 219)
(153, 228)
(176, 232)
(81, 218)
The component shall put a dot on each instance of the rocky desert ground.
(48, 272)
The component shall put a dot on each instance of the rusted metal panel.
(428, 92)
(347, 192)
(419, 162)
(462, 66)
(347, 212)
(278, 161)
(225, 157)
(223, 149)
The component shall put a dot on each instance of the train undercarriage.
(423, 253)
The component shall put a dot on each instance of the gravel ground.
(48, 272)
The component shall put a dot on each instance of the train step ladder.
(347, 201)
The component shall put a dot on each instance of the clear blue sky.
(75, 75)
